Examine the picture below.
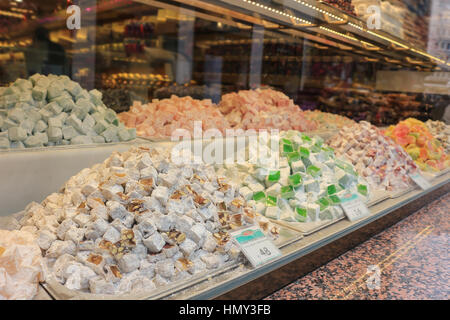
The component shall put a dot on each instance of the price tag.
(255, 245)
(420, 181)
(353, 207)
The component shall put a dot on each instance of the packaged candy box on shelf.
(54, 110)
(440, 131)
(138, 221)
(263, 109)
(327, 121)
(21, 265)
(305, 187)
(414, 136)
(384, 164)
(160, 118)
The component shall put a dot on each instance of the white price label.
(255, 245)
(353, 207)
(420, 181)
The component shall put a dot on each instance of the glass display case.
(359, 87)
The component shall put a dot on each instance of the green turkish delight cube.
(286, 148)
(304, 152)
(273, 176)
(314, 171)
(323, 203)
(315, 149)
(331, 189)
(306, 138)
(259, 196)
(293, 156)
(334, 199)
(295, 180)
(300, 214)
(287, 192)
(271, 201)
(362, 189)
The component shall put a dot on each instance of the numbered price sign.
(255, 245)
(353, 207)
(420, 181)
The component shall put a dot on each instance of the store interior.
(358, 91)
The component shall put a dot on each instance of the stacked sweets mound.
(263, 109)
(384, 164)
(326, 120)
(414, 136)
(138, 221)
(54, 110)
(304, 185)
(160, 118)
(440, 131)
(21, 265)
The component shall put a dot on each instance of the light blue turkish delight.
(40, 126)
(74, 88)
(132, 132)
(101, 126)
(54, 90)
(69, 132)
(76, 123)
(4, 143)
(81, 140)
(54, 134)
(16, 115)
(28, 125)
(98, 139)
(34, 115)
(110, 134)
(123, 134)
(42, 136)
(96, 97)
(17, 145)
(85, 104)
(17, 134)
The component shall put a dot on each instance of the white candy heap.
(54, 110)
(384, 164)
(136, 222)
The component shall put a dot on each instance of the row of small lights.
(11, 14)
(275, 11)
(306, 4)
(338, 33)
(362, 29)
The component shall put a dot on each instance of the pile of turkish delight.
(263, 109)
(384, 164)
(160, 118)
(21, 265)
(328, 121)
(441, 132)
(54, 110)
(306, 186)
(416, 139)
(137, 222)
